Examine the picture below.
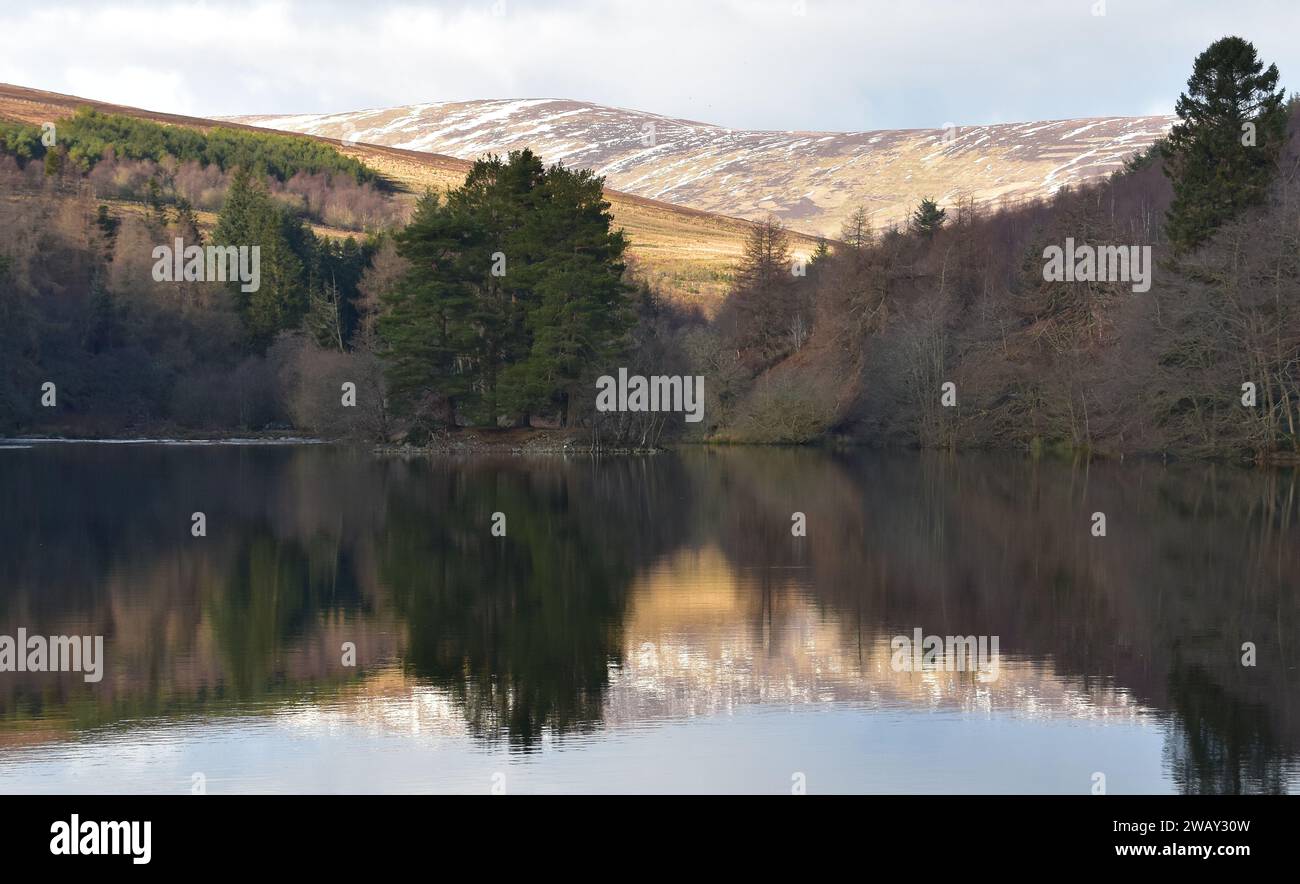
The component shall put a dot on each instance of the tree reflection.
(525, 634)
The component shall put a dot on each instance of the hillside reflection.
(633, 591)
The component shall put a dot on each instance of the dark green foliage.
(54, 162)
(1144, 158)
(1217, 165)
(298, 269)
(515, 291)
(334, 272)
(88, 133)
(108, 225)
(426, 328)
(928, 217)
(822, 253)
(18, 348)
(576, 300)
(21, 141)
(250, 217)
(80, 307)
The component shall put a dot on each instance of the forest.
(500, 302)
(1204, 363)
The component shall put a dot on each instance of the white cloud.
(134, 86)
(743, 63)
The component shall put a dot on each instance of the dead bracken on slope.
(687, 254)
(810, 180)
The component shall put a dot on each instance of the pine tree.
(928, 217)
(157, 207)
(108, 225)
(514, 291)
(53, 163)
(426, 329)
(1223, 153)
(100, 324)
(821, 254)
(494, 207)
(577, 312)
(250, 217)
(19, 348)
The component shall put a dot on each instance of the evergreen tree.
(1224, 151)
(928, 217)
(19, 348)
(494, 207)
(157, 210)
(577, 313)
(820, 254)
(100, 330)
(425, 329)
(250, 217)
(514, 291)
(108, 225)
(53, 163)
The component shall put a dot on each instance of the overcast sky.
(784, 64)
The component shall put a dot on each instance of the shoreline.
(552, 442)
(514, 441)
(29, 441)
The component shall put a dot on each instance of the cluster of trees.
(302, 275)
(502, 300)
(137, 160)
(497, 302)
(512, 298)
(1207, 362)
(84, 139)
(81, 308)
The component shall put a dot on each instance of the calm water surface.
(646, 624)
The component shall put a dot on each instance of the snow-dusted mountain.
(811, 180)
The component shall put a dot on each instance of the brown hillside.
(686, 253)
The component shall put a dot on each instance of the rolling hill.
(810, 180)
(686, 253)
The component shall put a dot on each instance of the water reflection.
(662, 592)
